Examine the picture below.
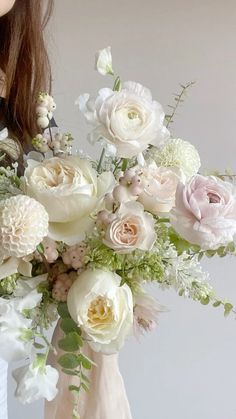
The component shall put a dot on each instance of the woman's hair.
(24, 60)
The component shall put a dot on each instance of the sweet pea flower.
(205, 212)
(103, 61)
(14, 326)
(35, 382)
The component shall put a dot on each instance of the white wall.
(186, 368)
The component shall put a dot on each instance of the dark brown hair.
(24, 59)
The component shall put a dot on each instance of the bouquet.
(80, 239)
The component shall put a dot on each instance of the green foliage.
(182, 245)
(9, 183)
(69, 361)
(73, 362)
(68, 325)
(71, 342)
(132, 267)
(228, 307)
(7, 285)
(178, 100)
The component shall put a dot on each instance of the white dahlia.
(177, 153)
(23, 225)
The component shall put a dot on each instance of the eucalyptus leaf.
(69, 361)
(71, 342)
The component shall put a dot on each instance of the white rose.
(35, 382)
(102, 308)
(103, 61)
(159, 187)
(131, 229)
(13, 326)
(70, 190)
(130, 120)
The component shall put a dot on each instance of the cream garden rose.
(129, 119)
(102, 308)
(158, 188)
(70, 190)
(131, 229)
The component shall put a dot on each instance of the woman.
(24, 71)
(24, 63)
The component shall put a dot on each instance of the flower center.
(213, 198)
(132, 115)
(100, 312)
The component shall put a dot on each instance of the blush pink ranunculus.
(205, 211)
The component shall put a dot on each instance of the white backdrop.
(187, 367)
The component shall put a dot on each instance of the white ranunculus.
(13, 325)
(102, 308)
(35, 382)
(159, 187)
(131, 229)
(103, 61)
(129, 119)
(70, 190)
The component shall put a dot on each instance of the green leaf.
(217, 304)
(210, 253)
(86, 363)
(181, 292)
(70, 372)
(38, 345)
(228, 307)
(71, 342)
(40, 248)
(69, 361)
(68, 325)
(205, 300)
(86, 388)
(84, 378)
(117, 84)
(63, 311)
(74, 388)
(221, 251)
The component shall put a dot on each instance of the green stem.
(101, 160)
(178, 101)
(124, 165)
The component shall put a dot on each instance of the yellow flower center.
(100, 312)
(132, 115)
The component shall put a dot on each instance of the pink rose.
(131, 229)
(205, 211)
(159, 188)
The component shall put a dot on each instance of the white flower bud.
(103, 61)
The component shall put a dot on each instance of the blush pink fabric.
(107, 396)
